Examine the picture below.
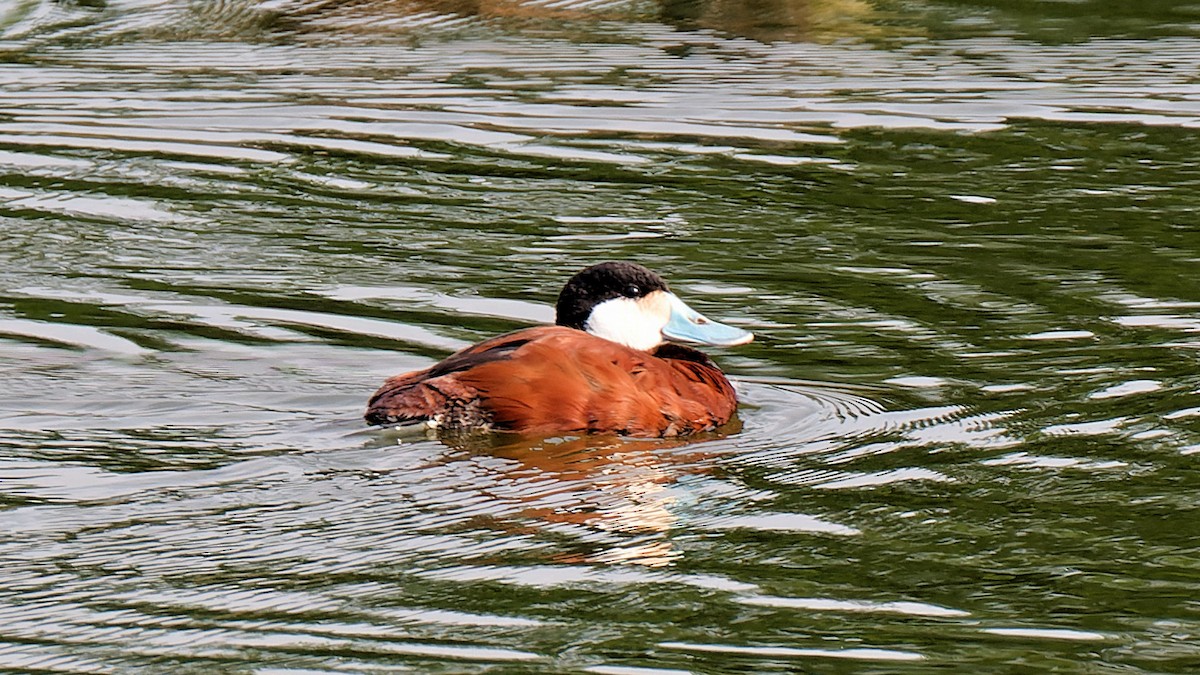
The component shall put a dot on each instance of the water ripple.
(966, 427)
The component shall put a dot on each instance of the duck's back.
(561, 380)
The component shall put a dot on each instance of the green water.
(965, 235)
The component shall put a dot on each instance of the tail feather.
(409, 399)
(405, 402)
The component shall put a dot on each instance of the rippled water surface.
(965, 233)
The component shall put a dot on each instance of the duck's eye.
(632, 291)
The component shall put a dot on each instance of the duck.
(613, 363)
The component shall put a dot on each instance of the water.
(965, 235)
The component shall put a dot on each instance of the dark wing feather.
(426, 394)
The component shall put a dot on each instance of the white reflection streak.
(857, 653)
(876, 478)
(778, 522)
(114, 208)
(72, 335)
(634, 670)
(1096, 428)
(1046, 633)
(1127, 389)
(551, 576)
(868, 606)
(229, 316)
(1048, 462)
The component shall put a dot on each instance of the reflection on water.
(963, 232)
(772, 20)
(615, 495)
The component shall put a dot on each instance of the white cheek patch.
(628, 322)
(658, 306)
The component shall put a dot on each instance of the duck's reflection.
(617, 499)
(773, 20)
(765, 20)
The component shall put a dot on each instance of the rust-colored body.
(554, 379)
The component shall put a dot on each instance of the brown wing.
(430, 393)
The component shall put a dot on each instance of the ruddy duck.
(606, 367)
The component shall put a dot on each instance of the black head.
(599, 283)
